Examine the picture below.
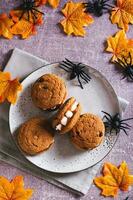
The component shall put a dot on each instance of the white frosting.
(58, 127)
(74, 106)
(64, 121)
(69, 114)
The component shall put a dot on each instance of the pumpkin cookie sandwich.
(88, 132)
(67, 116)
(34, 136)
(49, 92)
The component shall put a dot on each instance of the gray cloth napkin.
(20, 65)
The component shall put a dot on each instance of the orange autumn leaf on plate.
(75, 19)
(14, 190)
(119, 45)
(5, 26)
(122, 14)
(8, 88)
(113, 179)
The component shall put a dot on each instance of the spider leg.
(69, 62)
(124, 127)
(38, 11)
(125, 60)
(63, 64)
(107, 114)
(34, 16)
(130, 58)
(123, 120)
(108, 5)
(110, 132)
(22, 15)
(124, 131)
(106, 8)
(87, 78)
(79, 81)
(130, 76)
(86, 75)
(67, 70)
(104, 1)
(123, 77)
(122, 123)
(121, 63)
(81, 75)
(107, 118)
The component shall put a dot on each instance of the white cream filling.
(68, 115)
(58, 127)
(74, 106)
(64, 121)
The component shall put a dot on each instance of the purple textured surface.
(53, 45)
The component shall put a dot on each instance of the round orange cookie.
(34, 136)
(48, 92)
(88, 132)
(67, 116)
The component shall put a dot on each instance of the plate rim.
(62, 172)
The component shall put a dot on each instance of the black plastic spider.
(75, 70)
(115, 123)
(30, 8)
(97, 7)
(126, 198)
(127, 66)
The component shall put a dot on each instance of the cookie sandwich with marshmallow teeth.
(67, 116)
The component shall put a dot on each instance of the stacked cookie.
(36, 135)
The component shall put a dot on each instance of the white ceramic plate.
(96, 96)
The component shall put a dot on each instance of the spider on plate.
(75, 70)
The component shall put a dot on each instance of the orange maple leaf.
(14, 190)
(5, 26)
(8, 88)
(119, 45)
(113, 179)
(25, 27)
(17, 14)
(75, 19)
(40, 2)
(122, 14)
(53, 3)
